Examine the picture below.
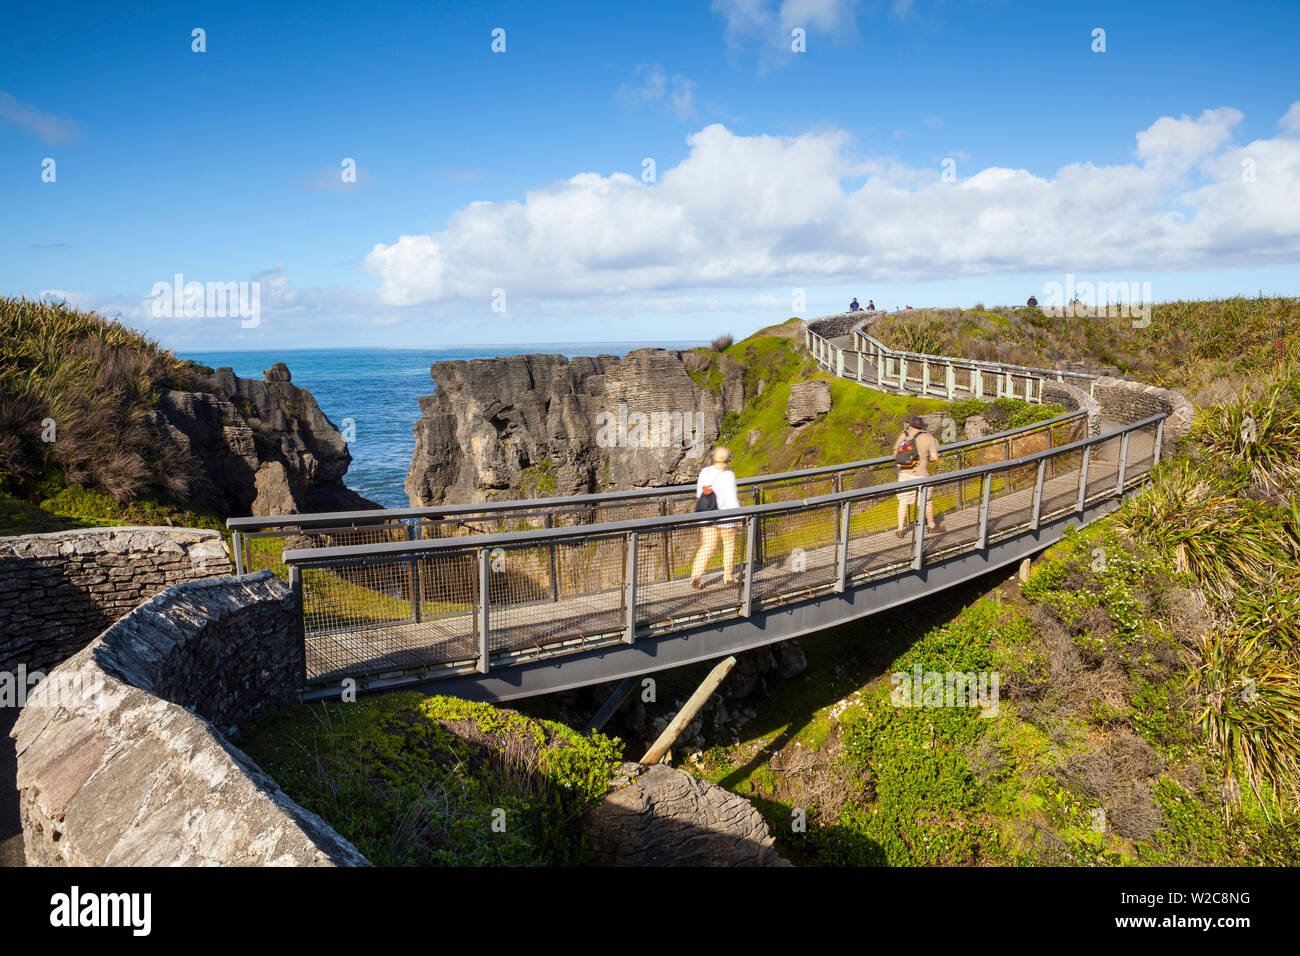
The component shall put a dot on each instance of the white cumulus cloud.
(740, 212)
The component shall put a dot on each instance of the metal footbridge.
(500, 600)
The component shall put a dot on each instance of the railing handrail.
(949, 360)
(399, 550)
(343, 518)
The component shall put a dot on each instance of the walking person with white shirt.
(715, 489)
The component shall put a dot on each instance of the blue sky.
(522, 171)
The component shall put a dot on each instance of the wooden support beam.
(688, 712)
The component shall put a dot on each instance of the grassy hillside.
(1207, 349)
(861, 423)
(77, 447)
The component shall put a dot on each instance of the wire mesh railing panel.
(711, 554)
(1103, 469)
(629, 510)
(351, 615)
(799, 551)
(1061, 484)
(1141, 452)
(448, 584)
(798, 489)
(589, 565)
(264, 548)
(868, 476)
(956, 510)
(873, 544)
(527, 613)
(1030, 443)
(1011, 500)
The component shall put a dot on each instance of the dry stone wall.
(58, 591)
(1074, 399)
(1128, 402)
(123, 757)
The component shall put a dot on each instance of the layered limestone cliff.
(543, 425)
(259, 448)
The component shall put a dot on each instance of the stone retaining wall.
(829, 326)
(122, 753)
(1072, 399)
(1128, 402)
(57, 591)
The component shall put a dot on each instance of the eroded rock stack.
(543, 425)
(260, 447)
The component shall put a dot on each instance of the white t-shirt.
(723, 483)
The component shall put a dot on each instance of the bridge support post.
(295, 585)
(986, 488)
(952, 381)
(747, 580)
(629, 590)
(668, 552)
(925, 378)
(482, 616)
(608, 709)
(1160, 438)
(555, 569)
(413, 573)
(237, 546)
(918, 539)
(1123, 463)
(1083, 478)
(860, 376)
(978, 374)
(1038, 495)
(902, 374)
(880, 368)
(842, 548)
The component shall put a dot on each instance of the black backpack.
(707, 501)
(907, 456)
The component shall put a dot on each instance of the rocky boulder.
(807, 401)
(660, 816)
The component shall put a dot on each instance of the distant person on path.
(914, 449)
(854, 307)
(871, 305)
(1032, 303)
(717, 482)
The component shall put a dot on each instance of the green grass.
(438, 781)
(72, 508)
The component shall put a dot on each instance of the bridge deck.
(575, 621)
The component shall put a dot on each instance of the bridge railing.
(259, 541)
(871, 362)
(400, 611)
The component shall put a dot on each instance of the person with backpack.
(854, 307)
(914, 449)
(715, 490)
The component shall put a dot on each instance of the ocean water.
(378, 389)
